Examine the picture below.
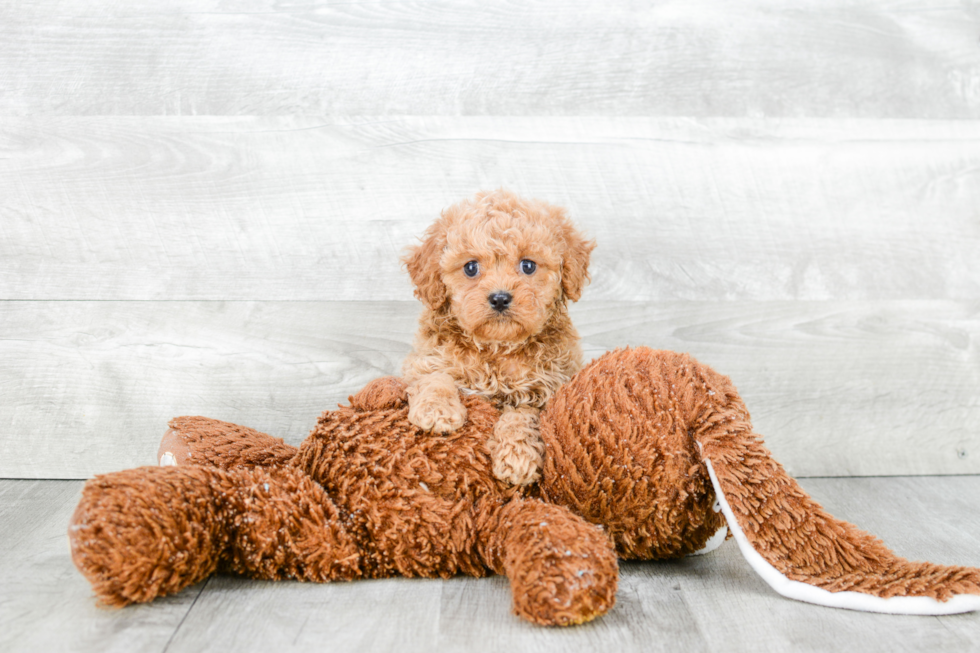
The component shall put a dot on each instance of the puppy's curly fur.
(495, 274)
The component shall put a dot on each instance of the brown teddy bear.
(366, 495)
(642, 448)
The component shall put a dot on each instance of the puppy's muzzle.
(499, 300)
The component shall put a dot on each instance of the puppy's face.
(501, 264)
(501, 282)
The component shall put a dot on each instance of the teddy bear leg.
(562, 569)
(286, 526)
(204, 441)
(151, 531)
(621, 454)
(645, 441)
(148, 532)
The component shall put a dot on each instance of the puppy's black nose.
(500, 300)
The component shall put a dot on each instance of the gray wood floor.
(707, 603)
(202, 206)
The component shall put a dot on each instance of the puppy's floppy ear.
(423, 266)
(575, 261)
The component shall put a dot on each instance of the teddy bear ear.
(575, 261)
(422, 262)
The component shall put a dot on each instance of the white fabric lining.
(713, 542)
(917, 605)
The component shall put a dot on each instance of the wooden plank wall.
(203, 205)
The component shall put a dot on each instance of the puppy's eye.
(528, 266)
(471, 269)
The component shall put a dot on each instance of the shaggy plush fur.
(496, 245)
(627, 439)
(369, 494)
(152, 531)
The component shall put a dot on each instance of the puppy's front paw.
(434, 405)
(516, 449)
(440, 415)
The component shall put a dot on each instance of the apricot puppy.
(495, 274)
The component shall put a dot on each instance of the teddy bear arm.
(204, 441)
(380, 394)
(562, 569)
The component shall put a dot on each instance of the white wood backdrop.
(828, 58)
(202, 206)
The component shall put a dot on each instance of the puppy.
(495, 274)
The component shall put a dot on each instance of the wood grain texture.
(45, 604)
(871, 59)
(314, 209)
(707, 603)
(836, 388)
(95, 383)
(393, 614)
